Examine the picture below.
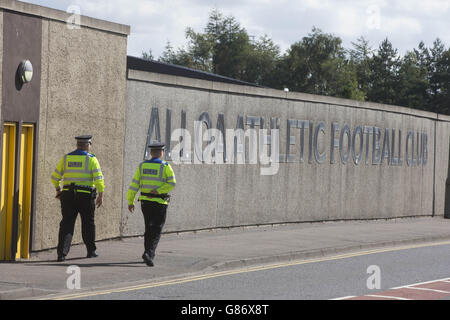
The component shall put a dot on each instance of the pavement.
(181, 255)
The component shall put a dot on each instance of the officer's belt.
(77, 187)
(163, 196)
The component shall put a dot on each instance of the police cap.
(157, 146)
(84, 139)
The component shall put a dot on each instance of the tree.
(230, 45)
(435, 63)
(383, 79)
(347, 85)
(224, 48)
(438, 76)
(412, 82)
(261, 62)
(442, 76)
(317, 64)
(182, 57)
(360, 57)
(168, 55)
(199, 50)
(147, 55)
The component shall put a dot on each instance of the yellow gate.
(8, 170)
(16, 200)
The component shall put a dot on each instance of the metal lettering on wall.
(361, 144)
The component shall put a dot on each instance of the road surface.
(422, 272)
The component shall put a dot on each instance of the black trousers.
(154, 219)
(71, 205)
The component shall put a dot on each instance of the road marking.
(387, 297)
(428, 289)
(237, 271)
(344, 298)
(409, 286)
(420, 283)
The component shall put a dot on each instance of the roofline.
(63, 16)
(140, 64)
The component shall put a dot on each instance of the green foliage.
(261, 62)
(360, 57)
(412, 82)
(147, 55)
(319, 64)
(444, 66)
(384, 67)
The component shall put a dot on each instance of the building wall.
(21, 40)
(231, 195)
(78, 87)
(442, 168)
(83, 92)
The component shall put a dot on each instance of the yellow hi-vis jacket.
(81, 168)
(151, 175)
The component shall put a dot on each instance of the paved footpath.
(195, 253)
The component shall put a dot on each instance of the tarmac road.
(348, 275)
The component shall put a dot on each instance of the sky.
(155, 22)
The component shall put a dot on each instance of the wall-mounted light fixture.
(26, 71)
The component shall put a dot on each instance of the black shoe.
(61, 258)
(147, 259)
(92, 254)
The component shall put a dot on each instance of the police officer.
(155, 179)
(81, 177)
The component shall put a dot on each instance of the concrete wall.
(442, 166)
(230, 195)
(82, 92)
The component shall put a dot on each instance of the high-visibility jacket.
(81, 168)
(151, 175)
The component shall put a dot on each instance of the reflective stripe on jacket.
(81, 168)
(151, 175)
